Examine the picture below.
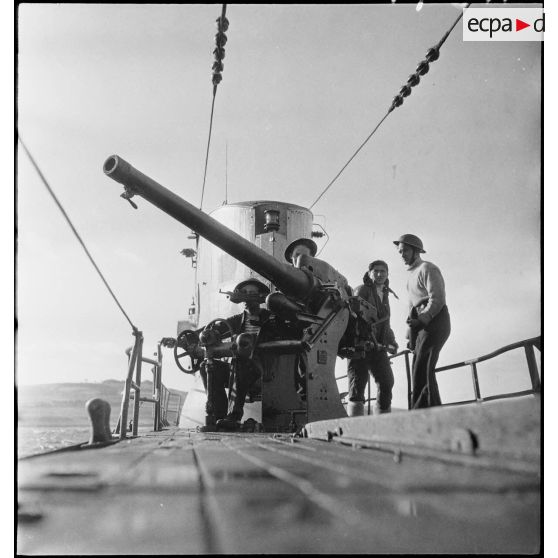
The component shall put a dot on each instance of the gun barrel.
(290, 280)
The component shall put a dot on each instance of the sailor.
(298, 247)
(375, 290)
(429, 320)
(245, 371)
(217, 372)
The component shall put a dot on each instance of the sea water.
(35, 439)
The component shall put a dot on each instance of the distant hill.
(49, 405)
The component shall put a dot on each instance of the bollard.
(99, 415)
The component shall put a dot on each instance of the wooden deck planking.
(410, 518)
(182, 492)
(140, 496)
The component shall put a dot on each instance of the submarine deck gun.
(317, 296)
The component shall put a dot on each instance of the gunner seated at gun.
(246, 370)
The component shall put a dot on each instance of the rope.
(219, 53)
(226, 173)
(423, 67)
(53, 195)
(208, 144)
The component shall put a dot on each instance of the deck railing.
(167, 407)
(160, 396)
(528, 346)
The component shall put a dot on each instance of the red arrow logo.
(519, 25)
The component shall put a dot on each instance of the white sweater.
(426, 285)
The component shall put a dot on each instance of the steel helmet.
(264, 289)
(305, 242)
(411, 240)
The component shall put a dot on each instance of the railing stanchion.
(475, 378)
(409, 387)
(158, 391)
(137, 388)
(533, 370)
(121, 427)
(155, 395)
(159, 383)
(160, 400)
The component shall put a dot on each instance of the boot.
(230, 422)
(208, 428)
(378, 411)
(209, 421)
(355, 408)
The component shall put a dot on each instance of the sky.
(459, 164)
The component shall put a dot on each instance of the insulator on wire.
(222, 23)
(413, 80)
(219, 53)
(220, 39)
(405, 91)
(432, 54)
(423, 68)
(397, 102)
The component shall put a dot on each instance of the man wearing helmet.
(299, 247)
(245, 371)
(429, 320)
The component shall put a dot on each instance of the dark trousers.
(215, 377)
(245, 373)
(377, 362)
(429, 343)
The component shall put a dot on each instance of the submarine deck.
(339, 491)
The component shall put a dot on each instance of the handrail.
(132, 390)
(533, 341)
(134, 362)
(527, 344)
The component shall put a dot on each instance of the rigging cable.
(219, 53)
(226, 173)
(53, 195)
(431, 55)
